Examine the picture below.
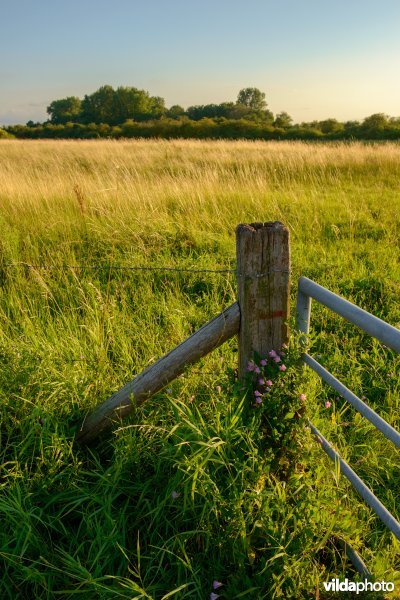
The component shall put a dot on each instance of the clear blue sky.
(313, 58)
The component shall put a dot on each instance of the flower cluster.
(277, 406)
(262, 373)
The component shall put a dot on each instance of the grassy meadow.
(181, 494)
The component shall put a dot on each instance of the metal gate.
(390, 336)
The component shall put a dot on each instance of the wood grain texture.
(263, 272)
(154, 378)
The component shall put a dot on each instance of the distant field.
(101, 523)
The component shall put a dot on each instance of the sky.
(314, 59)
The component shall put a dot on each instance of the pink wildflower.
(216, 584)
(263, 362)
(282, 367)
(257, 370)
(261, 381)
(258, 400)
(268, 383)
(277, 359)
(272, 354)
(257, 393)
(268, 389)
(250, 366)
(213, 596)
(328, 404)
(175, 495)
(302, 397)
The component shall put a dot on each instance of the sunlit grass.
(101, 522)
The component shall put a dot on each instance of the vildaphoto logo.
(335, 585)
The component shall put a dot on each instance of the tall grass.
(102, 522)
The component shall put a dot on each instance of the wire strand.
(117, 267)
(142, 268)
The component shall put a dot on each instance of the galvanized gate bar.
(386, 517)
(375, 327)
(357, 561)
(364, 320)
(387, 430)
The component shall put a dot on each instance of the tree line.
(130, 112)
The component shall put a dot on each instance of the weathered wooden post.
(263, 272)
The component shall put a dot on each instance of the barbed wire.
(143, 268)
(117, 268)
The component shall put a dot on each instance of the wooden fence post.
(263, 271)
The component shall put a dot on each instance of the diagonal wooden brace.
(154, 378)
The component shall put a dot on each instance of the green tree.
(99, 106)
(211, 111)
(114, 107)
(375, 126)
(252, 98)
(283, 120)
(175, 112)
(64, 110)
(351, 128)
(377, 121)
(130, 103)
(5, 134)
(156, 107)
(331, 126)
